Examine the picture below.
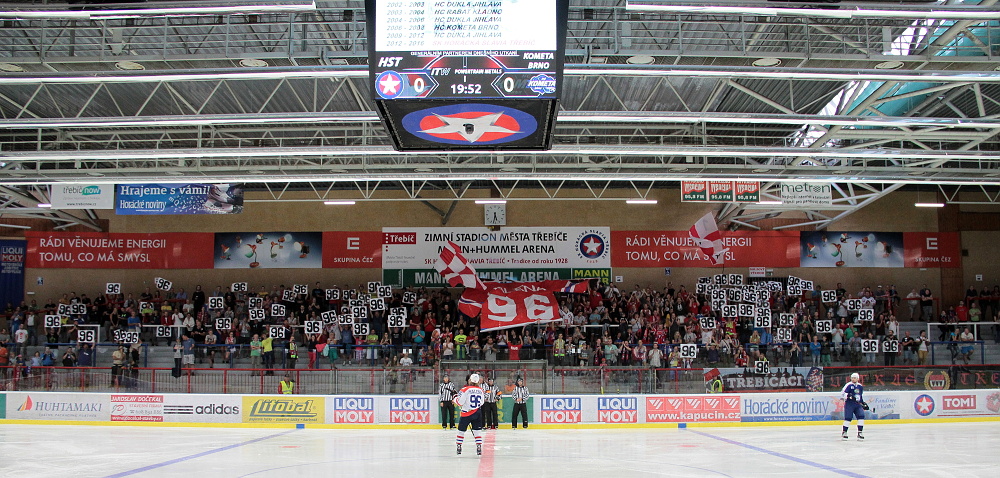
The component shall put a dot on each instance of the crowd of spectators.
(606, 326)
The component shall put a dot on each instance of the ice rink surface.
(925, 450)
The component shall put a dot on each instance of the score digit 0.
(508, 84)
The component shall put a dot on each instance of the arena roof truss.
(869, 97)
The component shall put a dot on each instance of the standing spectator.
(490, 407)
(814, 350)
(926, 304)
(255, 351)
(210, 340)
(446, 393)
(870, 356)
(293, 353)
(198, 298)
(188, 345)
(460, 344)
(966, 338)
(68, 358)
(794, 355)
(520, 396)
(559, 350)
(961, 312)
(85, 357)
(29, 320)
(912, 302)
(922, 348)
(975, 313)
(4, 360)
(48, 358)
(21, 340)
(331, 351)
(890, 357)
(267, 352)
(117, 361)
(909, 346)
(514, 350)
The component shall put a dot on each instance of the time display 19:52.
(466, 89)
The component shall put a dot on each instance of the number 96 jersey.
(470, 398)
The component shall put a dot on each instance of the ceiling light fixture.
(928, 204)
(767, 62)
(253, 63)
(44, 205)
(339, 202)
(889, 65)
(641, 60)
(491, 201)
(641, 201)
(129, 66)
(11, 68)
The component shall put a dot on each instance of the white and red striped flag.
(706, 234)
(456, 269)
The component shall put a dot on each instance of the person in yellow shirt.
(267, 347)
(460, 344)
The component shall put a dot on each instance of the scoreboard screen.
(466, 49)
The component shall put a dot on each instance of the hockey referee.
(520, 396)
(446, 393)
(490, 407)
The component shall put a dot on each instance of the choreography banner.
(97, 250)
(517, 304)
(678, 249)
(152, 199)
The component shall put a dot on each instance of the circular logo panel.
(591, 245)
(389, 84)
(924, 405)
(470, 124)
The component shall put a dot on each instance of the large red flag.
(705, 232)
(456, 269)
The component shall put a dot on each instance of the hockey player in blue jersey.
(854, 405)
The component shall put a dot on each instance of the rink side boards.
(550, 411)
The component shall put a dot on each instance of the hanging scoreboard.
(467, 74)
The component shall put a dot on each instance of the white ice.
(905, 450)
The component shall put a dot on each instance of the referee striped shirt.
(520, 394)
(446, 392)
(492, 392)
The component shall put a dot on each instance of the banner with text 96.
(518, 305)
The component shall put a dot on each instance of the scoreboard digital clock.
(484, 51)
(466, 48)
